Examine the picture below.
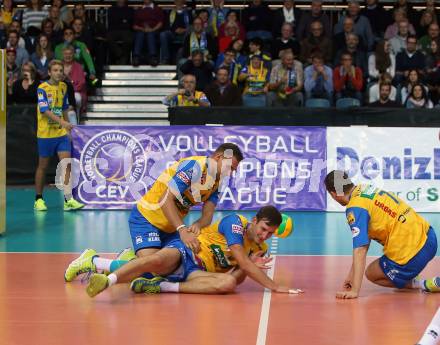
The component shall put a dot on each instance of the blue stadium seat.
(317, 103)
(347, 103)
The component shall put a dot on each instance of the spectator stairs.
(132, 95)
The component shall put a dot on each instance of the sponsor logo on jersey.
(355, 231)
(182, 176)
(237, 229)
(350, 218)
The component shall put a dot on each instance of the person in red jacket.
(347, 79)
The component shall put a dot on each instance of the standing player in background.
(52, 134)
(409, 242)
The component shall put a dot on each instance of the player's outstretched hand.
(285, 289)
(190, 240)
(261, 261)
(346, 294)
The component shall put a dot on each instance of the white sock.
(417, 283)
(169, 287)
(112, 279)
(432, 333)
(102, 263)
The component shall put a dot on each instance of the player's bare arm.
(205, 219)
(359, 263)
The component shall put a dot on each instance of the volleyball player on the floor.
(409, 242)
(158, 216)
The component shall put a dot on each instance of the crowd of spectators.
(254, 57)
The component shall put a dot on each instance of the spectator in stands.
(147, 23)
(22, 55)
(221, 92)
(317, 42)
(199, 39)
(347, 79)
(318, 79)
(418, 98)
(81, 34)
(394, 29)
(256, 78)
(82, 54)
(71, 111)
(7, 12)
(120, 36)
(385, 100)
(231, 33)
(54, 16)
(33, 15)
(285, 42)
(432, 71)
(229, 63)
(75, 74)
(409, 59)
(286, 14)
(42, 56)
(426, 20)
(383, 60)
(12, 71)
(24, 90)
(316, 14)
(201, 69)
(257, 19)
(217, 16)
(398, 42)
(203, 14)
(178, 26)
(286, 82)
(341, 37)
(433, 35)
(187, 96)
(407, 9)
(362, 26)
(255, 48)
(412, 79)
(65, 13)
(54, 37)
(232, 17)
(430, 7)
(358, 55)
(23, 39)
(377, 17)
(374, 90)
(240, 59)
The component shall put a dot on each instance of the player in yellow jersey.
(231, 249)
(52, 133)
(408, 240)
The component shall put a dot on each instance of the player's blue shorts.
(400, 275)
(47, 147)
(146, 235)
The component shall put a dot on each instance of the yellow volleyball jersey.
(198, 95)
(374, 214)
(53, 98)
(190, 179)
(215, 240)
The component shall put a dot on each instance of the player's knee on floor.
(226, 283)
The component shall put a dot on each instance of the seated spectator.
(374, 90)
(407, 9)
(286, 82)
(430, 7)
(81, 34)
(148, 21)
(418, 98)
(229, 63)
(398, 42)
(314, 43)
(385, 100)
(257, 19)
(178, 26)
(54, 37)
(318, 79)
(255, 48)
(202, 70)
(22, 55)
(362, 27)
(316, 14)
(409, 59)
(7, 12)
(82, 54)
(383, 60)
(33, 14)
(377, 16)
(12, 71)
(412, 79)
(285, 42)
(199, 39)
(65, 12)
(358, 54)
(232, 17)
(287, 14)
(42, 56)
(393, 29)
(341, 37)
(187, 96)
(432, 71)
(54, 16)
(348, 79)
(256, 78)
(221, 92)
(240, 58)
(426, 20)
(231, 33)
(75, 74)
(24, 90)
(433, 35)
(217, 16)
(203, 14)
(23, 40)
(120, 36)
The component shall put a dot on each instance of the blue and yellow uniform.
(408, 241)
(189, 180)
(52, 138)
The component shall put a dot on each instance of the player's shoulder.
(362, 196)
(236, 222)
(44, 85)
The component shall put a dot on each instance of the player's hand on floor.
(190, 240)
(346, 294)
(347, 285)
(285, 289)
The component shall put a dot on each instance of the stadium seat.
(347, 103)
(317, 103)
